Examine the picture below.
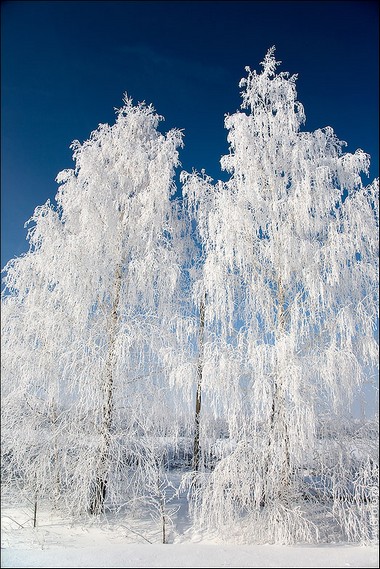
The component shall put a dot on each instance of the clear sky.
(66, 66)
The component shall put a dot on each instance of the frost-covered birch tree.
(199, 203)
(290, 273)
(88, 314)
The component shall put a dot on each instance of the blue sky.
(66, 66)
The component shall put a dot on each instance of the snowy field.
(57, 543)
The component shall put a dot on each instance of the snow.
(58, 543)
(191, 555)
(62, 553)
(239, 321)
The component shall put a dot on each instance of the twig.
(21, 526)
(136, 532)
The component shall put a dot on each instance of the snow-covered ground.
(58, 543)
(106, 554)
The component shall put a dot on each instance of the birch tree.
(291, 279)
(88, 314)
(198, 199)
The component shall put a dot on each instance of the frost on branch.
(88, 317)
(290, 255)
(134, 356)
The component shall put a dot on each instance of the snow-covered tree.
(119, 337)
(290, 273)
(198, 199)
(88, 317)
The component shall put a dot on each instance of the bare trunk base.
(98, 497)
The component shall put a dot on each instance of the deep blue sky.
(66, 65)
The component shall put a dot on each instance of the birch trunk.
(278, 442)
(101, 480)
(198, 398)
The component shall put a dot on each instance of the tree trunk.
(281, 402)
(278, 427)
(163, 519)
(198, 397)
(56, 461)
(35, 513)
(101, 480)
